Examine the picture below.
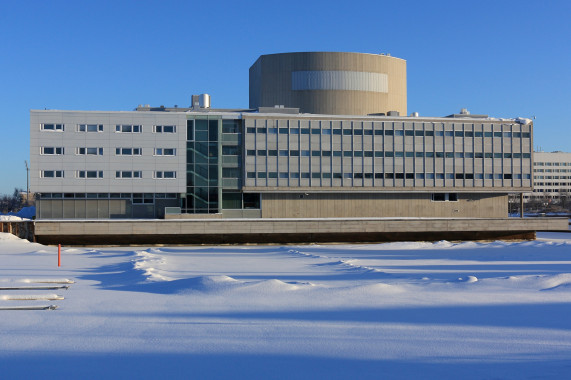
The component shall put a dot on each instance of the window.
(139, 198)
(165, 174)
(445, 197)
(51, 174)
(89, 174)
(283, 131)
(230, 150)
(164, 129)
(89, 151)
(52, 127)
(230, 172)
(165, 152)
(90, 128)
(128, 174)
(48, 150)
(128, 151)
(128, 128)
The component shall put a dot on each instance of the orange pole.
(59, 255)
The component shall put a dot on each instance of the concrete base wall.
(282, 231)
(347, 205)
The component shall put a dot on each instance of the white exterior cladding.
(328, 153)
(551, 174)
(104, 163)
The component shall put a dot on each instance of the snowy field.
(497, 310)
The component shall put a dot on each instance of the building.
(280, 163)
(551, 177)
(249, 164)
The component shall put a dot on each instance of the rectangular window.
(48, 150)
(52, 127)
(230, 172)
(128, 174)
(229, 150)
(128, 128)
(283, 131)
(128, 151)
(160, 174)
(165, 152)
(89, 174)
(89, 128)
(89, 151)
(51, 174)
(164, 128)
(445, 197)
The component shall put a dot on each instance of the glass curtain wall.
(202, 165)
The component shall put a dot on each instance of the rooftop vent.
(464, 111)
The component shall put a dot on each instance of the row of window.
(552, 163)
(317, 175)
(551, 184)
(98, 151)
(552, 177)
(370, 153)
(119, 128)
(385, 132)
(552, 170)
(160, 174)
(136, 198)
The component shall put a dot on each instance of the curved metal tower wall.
(330, 83)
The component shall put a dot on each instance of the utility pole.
(27, 183)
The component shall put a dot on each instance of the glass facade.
(203, 171)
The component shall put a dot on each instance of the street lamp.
(27, 183)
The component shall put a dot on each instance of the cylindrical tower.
(330, 83)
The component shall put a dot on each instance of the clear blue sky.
(502, 58)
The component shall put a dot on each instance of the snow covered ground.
(397, 310)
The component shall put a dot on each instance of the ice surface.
(399, 310)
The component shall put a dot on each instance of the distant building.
(551, 176)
